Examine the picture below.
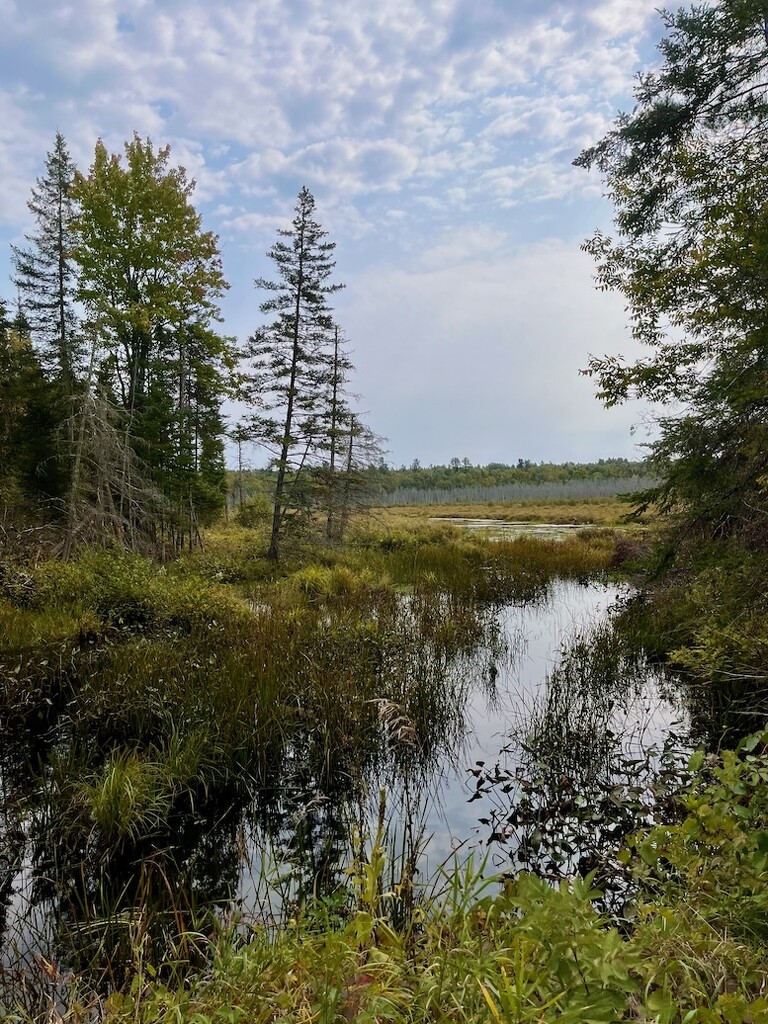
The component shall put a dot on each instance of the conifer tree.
(45, 274)
(336, 418)
(687, 173)
(29, 471)
(290, 362)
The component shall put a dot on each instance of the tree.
(29, 470)
(45, 274)
(290, 362)
(687, 172)
(150, 282)
(357, 481)
(335, 418)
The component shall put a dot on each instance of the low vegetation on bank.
(138, 700)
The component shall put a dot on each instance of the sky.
(437, 137)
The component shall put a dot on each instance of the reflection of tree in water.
(723, 711)
(89, 900)
(318, 819)
(90, 907)
(582, 771)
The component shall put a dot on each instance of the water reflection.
(535, 688)
(502, 529)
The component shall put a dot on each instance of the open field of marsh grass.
(589, 512)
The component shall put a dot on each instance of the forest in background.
(462, 482)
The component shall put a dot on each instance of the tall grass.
(180, 696)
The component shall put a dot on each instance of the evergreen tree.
(337, 419)
(45, 274)
(29, 470)
(291, 360)
(687, 172)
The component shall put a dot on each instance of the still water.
(536, 705)
(513, 688)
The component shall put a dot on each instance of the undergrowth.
(691, 949)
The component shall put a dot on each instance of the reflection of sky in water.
(500, 529)
(498, 717)
(537, 633)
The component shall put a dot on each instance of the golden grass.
(589, 512)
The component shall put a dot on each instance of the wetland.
(188, 744)
(196, 756)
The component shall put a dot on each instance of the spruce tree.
(45, 274)
(290, 362)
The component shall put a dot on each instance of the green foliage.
(399, 483)
(255, 511)
(45, 273)
(30, 416)
(530, 952)
(710, 871)
(130, 591)
(291, 357)
(686, 172)
(150, 280)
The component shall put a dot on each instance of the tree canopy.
(687, 172)
(150, 280)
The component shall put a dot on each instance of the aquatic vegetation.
(218, 694)
(483, 949)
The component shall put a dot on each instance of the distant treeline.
(460, 481)
(460, 473)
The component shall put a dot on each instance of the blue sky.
(437, 138)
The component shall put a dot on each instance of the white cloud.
(485, 357)
(435, 134)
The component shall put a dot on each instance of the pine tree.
(45, 274)
(290, 362)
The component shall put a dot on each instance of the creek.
(542, 706)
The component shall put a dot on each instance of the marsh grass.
(177, 697)
(588, 512)
(483, 949)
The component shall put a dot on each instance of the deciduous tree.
(150, 282)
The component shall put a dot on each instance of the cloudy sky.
(437, 138)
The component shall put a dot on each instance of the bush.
(131, 592)
(254, 512)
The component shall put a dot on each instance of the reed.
(180, 695)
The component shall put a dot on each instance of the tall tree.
(337, 419)
(290, 360)
(29, 470)
(687, 171)
(150, 282)
(45, 274)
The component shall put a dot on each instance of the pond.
(540, 704)
(509, 690)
